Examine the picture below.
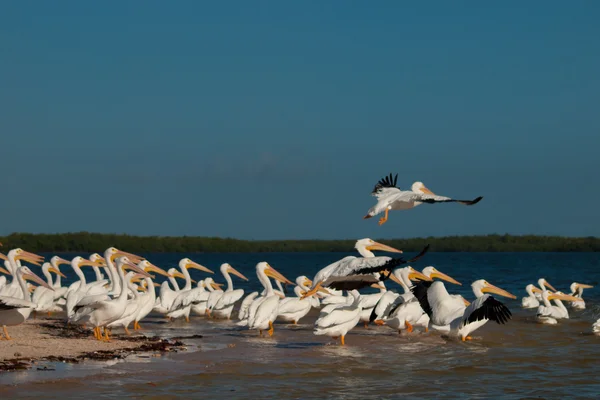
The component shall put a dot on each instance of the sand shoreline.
(51, 340)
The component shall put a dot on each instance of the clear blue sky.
(274, 120)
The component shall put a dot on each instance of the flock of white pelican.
(124, 291)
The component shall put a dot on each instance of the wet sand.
(50, 339)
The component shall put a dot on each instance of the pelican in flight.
(577, 291)
(451, 314)
(358, 272)
(390, 197)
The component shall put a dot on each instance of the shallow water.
(522, 359)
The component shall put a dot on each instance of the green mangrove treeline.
(96, 242)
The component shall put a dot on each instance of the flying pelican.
(577, 291)
(181, 306)
(447, 312)
(100, 310)
(223, 304)
(548, 313)
(340, 320)
(390, 197)
(355, 273)
(292, 309)
(264, 310)
(16, 310)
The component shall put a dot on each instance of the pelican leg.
(207, 312)
(6, 335)
(260, 333)
(106, 337)
(127, 331)
(384, 219)
(96, 333)
(467, 338)
(379, 322)
(295, 322)
(343, 341)
(49, 314)
(187, 319)
(409, 327)
(271, 329)
(366, 325)
(426, 329)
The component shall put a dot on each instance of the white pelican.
(531, 301)
(356, 273)
(406, 310)
(548, 313)
(181, 306)
(167, 295)
(264, 310)
(543, 283)
(369, 301)
(44, 297)
(340, 320)
(390, 197)
(449, 313)
(110, 255)
(13, 263)
(201, 295)
(100, 310)
(78, 290)
(577, 291)
(16, 310)
(222, 305)
(142, 303)
(292, 309)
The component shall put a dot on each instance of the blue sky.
(274, 120)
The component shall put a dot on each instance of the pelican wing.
(486, 307)
(9, 303)
(93, 301)
(385, 184)
(428, 198)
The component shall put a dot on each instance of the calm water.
(520, 360)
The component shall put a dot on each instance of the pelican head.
(575, 287)
(532, 289)
(125, 263)
(419, 187)
(484, 286)
(303, 282)
(187, 264)
(97, 258)
(20, 254)
(265, 269)
(544, 283)
(112, 253)
(228, 269)
(28, 275)
(432, 272)
(57, 261)
(149, 267)
(366, 246)
(210, 282)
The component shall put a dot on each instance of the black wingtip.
(421, 254)
(473, 202)
(388, 181)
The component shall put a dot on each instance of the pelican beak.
(178, 274)
(30, 258)
(56, 271)
(272, 273)
(197, 266)
(562, 296)
(132, 257)
(60, 261)
(537, 290)
(34, 278)
(153, 268)
(427, 191)
(394, 278)
(307, 283)
(156, 284)
(444, 277)
(467, 303)
(414, 274)
(584, 286)
(501, 292)
(235, 272)
(3, 257)
(100, 260)
(216, 286)
(90, 263)
(4, 271)
(383, 247)
(132, 266)
(549, 285)
(378, 285)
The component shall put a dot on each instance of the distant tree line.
(97, 242)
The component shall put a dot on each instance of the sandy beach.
(51, 340)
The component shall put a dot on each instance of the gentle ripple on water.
(520, 360)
